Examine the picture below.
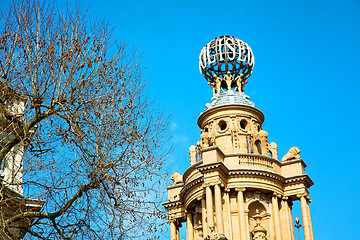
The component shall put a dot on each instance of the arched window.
(258, 146)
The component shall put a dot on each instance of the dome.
(229, 98)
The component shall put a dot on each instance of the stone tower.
(235, 187)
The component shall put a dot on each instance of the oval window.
(243, 124)
(222, 125)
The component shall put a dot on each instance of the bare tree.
(91, 140)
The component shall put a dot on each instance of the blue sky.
(305, 80)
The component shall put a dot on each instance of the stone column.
(311, 229)
(305, 217)
(209, 208)
(218, 210)
(286, 221)
(173, 230)
(203, 217)
(241, 208)
(228, 208)
(272, 225)
(189, 226)
(291, 220)
(177, 233)
(276, 215)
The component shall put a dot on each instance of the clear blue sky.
(305, 80)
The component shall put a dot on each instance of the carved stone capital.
(277, 195)
(285, 198)
(173, 220)
(304, 194)
(217, 182)
(240, 189)
(227, 190)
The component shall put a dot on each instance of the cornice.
(170, 205)
(175, 186)
(189, 185)
(300, 178)
(210, 167)
(289, 162)
(190, 169)
(262, 173)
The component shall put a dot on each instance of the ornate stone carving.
(213, 87)
(214, 235)
(304, 194)
(228, 79)
(293, 153)
(278, 195)
(259, 233)
(274, 150)
(207, 139)
(251, 195)
(239, 82)
(240, 189)
(243, 82)
(177, 178)
(217, 80)
(263, 134)
(265, 198)
(192, 153)
(199, 232)
(250, 143)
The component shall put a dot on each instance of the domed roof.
(229, 97)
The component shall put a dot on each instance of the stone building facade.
(236, 187)
(12, 200)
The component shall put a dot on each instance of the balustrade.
(256, 160)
